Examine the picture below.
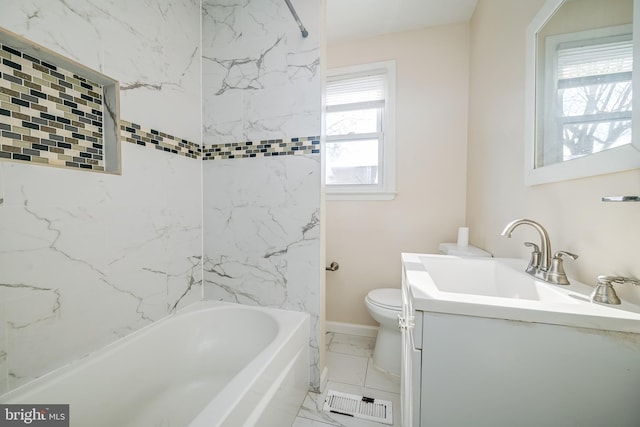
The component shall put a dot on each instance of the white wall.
(86, 257)
(367, 237)
(605, 235)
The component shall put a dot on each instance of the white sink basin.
(500, 288)
(488, 277)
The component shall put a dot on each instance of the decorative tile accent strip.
(133, 133)
(265, 148)
(48, 114)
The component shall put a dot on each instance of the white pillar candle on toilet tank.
(463, 236)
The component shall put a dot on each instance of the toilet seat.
(389, 298)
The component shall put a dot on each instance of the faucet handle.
(603, 280)
(559, 254)
(556, 273)
(604, 292)
(534, 262)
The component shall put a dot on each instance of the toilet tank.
(465, 251)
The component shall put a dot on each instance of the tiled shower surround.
(261, 224)
(86, 258)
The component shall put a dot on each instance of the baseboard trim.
(351, 329)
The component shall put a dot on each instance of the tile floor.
(351, 370)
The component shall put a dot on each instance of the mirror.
(580, 108)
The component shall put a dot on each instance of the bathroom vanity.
(486, 345)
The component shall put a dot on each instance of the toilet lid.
(387, 298)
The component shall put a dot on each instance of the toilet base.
(388, 350)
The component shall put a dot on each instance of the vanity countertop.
(499, 288)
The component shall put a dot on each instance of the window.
(591, 91)
(359, 150)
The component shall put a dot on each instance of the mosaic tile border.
(265, 148)
(48, 114)
(135, 134)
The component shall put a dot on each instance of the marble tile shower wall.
(87, 257)
(261, 84)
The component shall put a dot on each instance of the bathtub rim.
(190, 310)
(252, 373)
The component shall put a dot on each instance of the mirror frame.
(613, 160)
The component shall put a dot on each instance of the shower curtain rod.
(303, 30)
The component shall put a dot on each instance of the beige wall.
(605, 235)
(367, 237)
(440, 70)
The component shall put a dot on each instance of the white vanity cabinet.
(486, 372)
(466, 367)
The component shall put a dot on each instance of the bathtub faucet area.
(542, 264)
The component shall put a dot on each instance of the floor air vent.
(363, 407)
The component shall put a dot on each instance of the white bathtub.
(212, 364)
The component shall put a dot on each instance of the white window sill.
(343, 195)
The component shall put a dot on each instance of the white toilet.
(385, 305)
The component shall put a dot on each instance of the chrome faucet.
(542, 264)
(545, 243)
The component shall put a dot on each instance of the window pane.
(595, 118)
(352, 162)
(591, 108)
(586, 138)
(352, 122)
(596, 98)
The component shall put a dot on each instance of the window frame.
(386, 187)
